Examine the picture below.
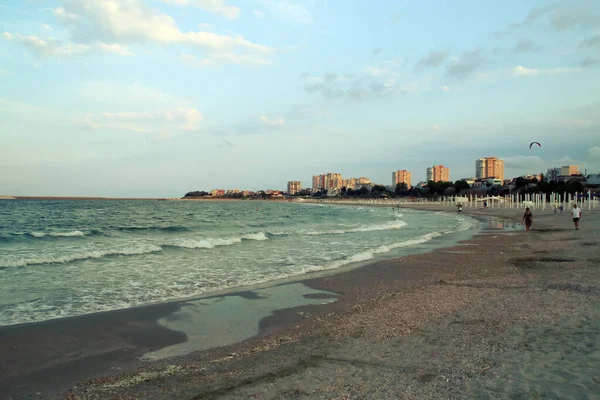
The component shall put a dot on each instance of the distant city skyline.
(143, 98)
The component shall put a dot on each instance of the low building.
(217, 193)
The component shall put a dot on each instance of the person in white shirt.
(576, 213)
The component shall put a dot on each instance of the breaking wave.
(210, 243)
(131, 251)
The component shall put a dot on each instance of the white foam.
(57, 234)
(211, 243)
(364, 228)
(370, 253)
(67, 234)
(128, 251)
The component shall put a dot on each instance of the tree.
(363, 191)
(461, 185)
(401, 187)
(343, 191)
(378, 189)
(196, 194)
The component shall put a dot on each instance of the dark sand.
(504, 315)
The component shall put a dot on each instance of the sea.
(62, 258)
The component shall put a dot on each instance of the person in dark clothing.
(528, 218)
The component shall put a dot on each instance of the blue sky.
(159, 97)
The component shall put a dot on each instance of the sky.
(132, 98)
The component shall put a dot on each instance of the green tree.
(461, 185)
(363, 191)
(401, 187)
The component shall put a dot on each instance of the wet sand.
(491, 316)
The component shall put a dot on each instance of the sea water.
(65, 258)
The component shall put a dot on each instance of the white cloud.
(164, 123)
(288, 10)
(213, 6)
(594, 152)
(3, 73)
(46, 27)
(204, 27)
(258, 14)
(132, 21)
(52, 47)
(218, 58)
(115, 49)
(272, 121)
(446, 88)
(534, 72)
(61, 13)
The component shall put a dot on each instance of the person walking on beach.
(576, 213)
(528, 218)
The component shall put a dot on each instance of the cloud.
(594, 152)
(52, 47)
(534, 72)
(526, 46)
(446, 88)
(258, 14)
(131, 21)
(564, 15)
(164, 124)
(270, 121)
(432, 60)
(213, 6)
(465, 65)
(3, 73)
(593, 41)
(204, 27)
(588, 62)
(332, 85)
(286, 9)
(46, 27)
(218, 58)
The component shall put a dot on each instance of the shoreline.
(363, 291)
(119, 348)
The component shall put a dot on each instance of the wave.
(364, 228)
(82, 256)
(370, 253)
(210, 243)
(151, 228)
(56, 234)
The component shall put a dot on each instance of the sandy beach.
(505, 314)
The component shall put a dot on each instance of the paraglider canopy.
(532, 143)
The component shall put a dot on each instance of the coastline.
(40, 356)
(379, 303)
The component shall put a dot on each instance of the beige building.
(349, 183)
(401, 176)
(315, 182)
(568, 170)
(293, 187)
(489, 167)
(438, 173)
(363, 181)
